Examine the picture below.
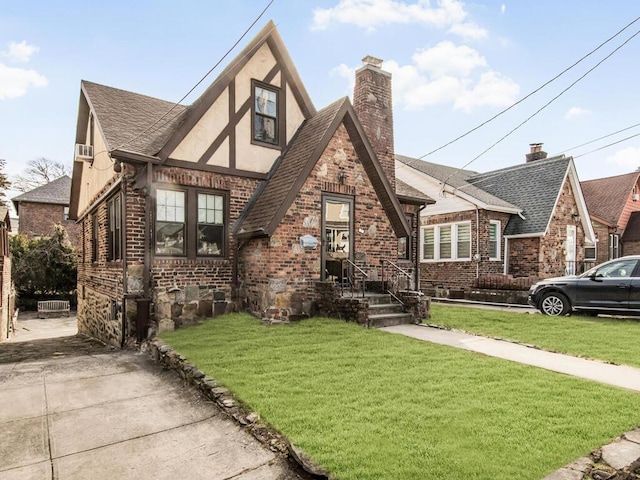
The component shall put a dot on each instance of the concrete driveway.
(71, 408)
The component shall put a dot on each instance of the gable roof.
(533, 186)
(269, 35)
(606, 197)
(55, 192)
(528, 191)
(458, 180)
(407, 194)
(126, 118)
(273, 198)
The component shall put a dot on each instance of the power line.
(545, 105)
(200, 81)
(599, 138)
(607, 146)
(530, 94)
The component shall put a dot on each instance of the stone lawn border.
(231, 406)
(619, 460)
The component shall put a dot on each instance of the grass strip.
(608, 339)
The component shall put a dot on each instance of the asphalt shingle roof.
(606, 197)
(124, 115)
(531, 188)
(55, 192)
(405, 190)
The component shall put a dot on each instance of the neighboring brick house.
(612, 202)
(42, 208)
(7, 294)
(529, 220)
(249, 195)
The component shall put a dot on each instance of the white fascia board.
(526, 235)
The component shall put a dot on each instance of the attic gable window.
(265, 115)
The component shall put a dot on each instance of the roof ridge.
(100, 85)
(523, 165)
(636, 173)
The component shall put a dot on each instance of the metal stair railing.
(391, 277)
(351, 276)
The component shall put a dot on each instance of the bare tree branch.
(39, 171)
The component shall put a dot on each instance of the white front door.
(570, 249)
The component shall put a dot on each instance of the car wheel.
(554, 303)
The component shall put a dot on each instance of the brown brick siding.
(40, 219)
(278, 274)
(463, 273)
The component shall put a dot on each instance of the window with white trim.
(494, 239)
(446, 242)
(590, 253)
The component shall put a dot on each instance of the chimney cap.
(535, 147)
(373, 61)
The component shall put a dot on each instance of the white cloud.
(503, 8)
(446, 58)
(575, 112)
(370, 14)
(20, 52)
(446, 74)
(629, 158)
(469, 30)
(14, 82)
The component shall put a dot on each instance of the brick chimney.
(372, 103)
(536, 153)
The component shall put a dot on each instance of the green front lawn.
(608, 339)
(367, 404)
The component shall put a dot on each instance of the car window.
(622, 268)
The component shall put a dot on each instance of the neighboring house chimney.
(536, 153)
(372, 103)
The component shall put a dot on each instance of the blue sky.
(454, 64)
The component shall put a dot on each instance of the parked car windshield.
(620, 268)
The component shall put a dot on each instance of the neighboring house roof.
(533, 186)
(632, 232)
(458, 180)
(528, 191)
(271, 201)
(606, 197)
(55, 192)
(407, 194)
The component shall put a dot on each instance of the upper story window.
(494, 239)
(265, 115)
(191, 222)
(447, 242)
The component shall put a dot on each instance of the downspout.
(505, 269)
(123, 250)
(146, 274)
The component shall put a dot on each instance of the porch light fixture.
(342, 176)
(576, 217)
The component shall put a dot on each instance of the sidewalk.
(617, 375)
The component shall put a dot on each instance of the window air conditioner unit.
(84, 152)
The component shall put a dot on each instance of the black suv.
(612, 287)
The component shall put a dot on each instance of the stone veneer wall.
(278, 274)
(99, 317)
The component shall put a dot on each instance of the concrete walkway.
(75, 409)
(618, 375)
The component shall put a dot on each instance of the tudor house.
(529, 220)
(614, 208)
(249, 197)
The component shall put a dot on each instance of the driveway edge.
(232, 406)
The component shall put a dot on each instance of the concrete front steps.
(385, 311)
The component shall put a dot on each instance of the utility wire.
(200, 81)
(599, 138)
(607, 146)
(544, 106)
(530, 94)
